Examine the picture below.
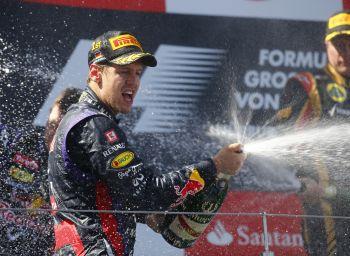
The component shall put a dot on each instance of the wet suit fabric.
(92, 167)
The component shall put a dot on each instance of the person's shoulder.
(98, 124)
(78, 117)
(97, 130)
(104, 125)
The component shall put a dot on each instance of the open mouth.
(128, 96)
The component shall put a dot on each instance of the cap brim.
(336, 33)
(146, 59)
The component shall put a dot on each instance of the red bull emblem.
(193, 186)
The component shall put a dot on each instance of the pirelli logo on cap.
(339, 20)
(123, 41)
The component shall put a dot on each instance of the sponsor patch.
(132, 170)
(124, 40)
(22, 198)
(26, 161)
(37, 202)
(111, 136)
(113, 149)
(96, 45)
(21, 175)
(19, 220)
(192, 186)
(343, 112)
(18, 185)
(336, 92)
(139, 183)
(122, 160)
(98, 55)
(129, 59)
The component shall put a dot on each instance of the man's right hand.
(229, 159)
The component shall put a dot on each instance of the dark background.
(37, 40)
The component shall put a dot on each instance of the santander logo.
(245, 236)
(219, 236)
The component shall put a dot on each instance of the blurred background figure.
(23, 182)
(308, 100)
(59, 108)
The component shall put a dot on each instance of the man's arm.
(300, 106)
(294, 100)
(101, 146)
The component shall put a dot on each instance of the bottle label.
(199, 218)
(176, 241)
(183, 230)
(211, 207)
(187, 228)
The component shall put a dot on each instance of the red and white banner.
(243, 235)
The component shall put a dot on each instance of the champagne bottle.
(182, 230)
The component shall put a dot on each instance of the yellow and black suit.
(308, 100)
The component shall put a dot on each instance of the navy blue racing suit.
(92, 167)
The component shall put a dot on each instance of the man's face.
(338, 52)
(55, 118)
(119, 85)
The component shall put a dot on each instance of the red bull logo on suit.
(193, 186)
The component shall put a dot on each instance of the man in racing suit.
(308, 100)
(92, 166)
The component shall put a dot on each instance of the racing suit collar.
(339, 79)
(91, 98)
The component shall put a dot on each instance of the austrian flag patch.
(111, 136)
